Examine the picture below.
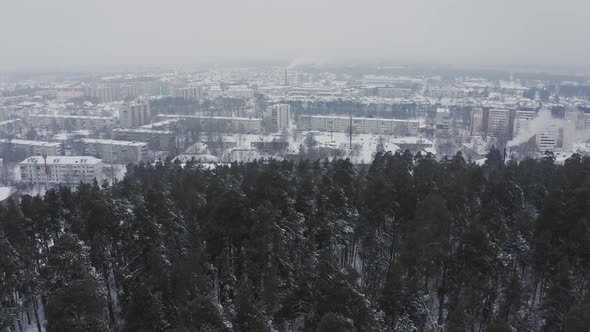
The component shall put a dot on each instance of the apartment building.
(135, 114)
(71, 122)
(60, 170)
(158, 140)
(277, 117)
(113, 151)
(19, 149)
(221, 124)
(359, 125)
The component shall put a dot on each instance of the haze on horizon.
(67, 33)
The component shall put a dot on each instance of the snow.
(5, 192)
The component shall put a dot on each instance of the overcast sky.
(105, 32)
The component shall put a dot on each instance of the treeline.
(408, 243)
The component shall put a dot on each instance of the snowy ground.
(364, 146)
(5, 192)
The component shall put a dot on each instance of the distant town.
(81, 128)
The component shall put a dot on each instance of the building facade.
(71, 122)
(219, 124)
(158, 140)
(60, 170)
(113, 151)
(277, 117)
(19, 149)
(134, 115)
(359, 125)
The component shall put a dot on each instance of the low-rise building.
(60, 170)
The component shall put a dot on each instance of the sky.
(69, 33)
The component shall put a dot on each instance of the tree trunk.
(36, 311)
(105, 273)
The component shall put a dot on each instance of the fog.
(113, 32)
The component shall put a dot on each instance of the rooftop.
(27, 142)
(62, 116)
(206, 117)
(142, 130)
(61, 160)
(355, 118)
(112, 142)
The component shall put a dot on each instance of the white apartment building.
(71, 122)
(557, 135)
(277, 117)
(134, 115)
(56, 170)
(113, 151)
(359, 125)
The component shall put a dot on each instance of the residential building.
(113, 151)
(238, 91)
(71, 122)
(15, 149)
(60, 170)
(443, 119)
(189, 92)
(223, 124)
(10, 127)
(498, 122)
(65, 94)
(135, 114)
(103, 93)
(476, 122)
(359, 125)
(277, 117)
(159, 140)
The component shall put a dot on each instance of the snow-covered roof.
(61, 160)
(112, 142)
(32, 143)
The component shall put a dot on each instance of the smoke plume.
(532, 127)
